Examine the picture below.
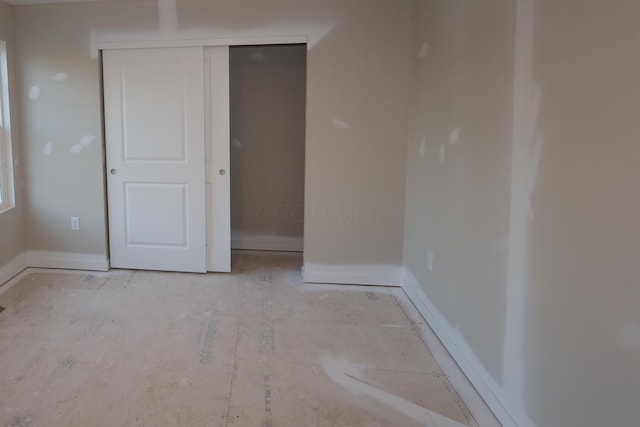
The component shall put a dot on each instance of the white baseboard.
(490, 391)
(259, 242)
(13, 268)
(368, 274)
(67, 260)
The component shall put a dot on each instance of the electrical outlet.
(430, 260)
(75, 223)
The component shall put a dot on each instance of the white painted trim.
(67, 260)
(217, 157)
(232, 41)
(13, 268)
(492, 393)
(256, 242)
(474, 403)
(48, 259)
(366, 274)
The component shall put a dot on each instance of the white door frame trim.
(232, 41)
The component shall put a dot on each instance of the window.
(6, 159)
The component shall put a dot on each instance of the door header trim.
(232, 41)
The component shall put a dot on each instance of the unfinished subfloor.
(253, 348)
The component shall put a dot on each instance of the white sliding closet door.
(217, 138)
(155, 125)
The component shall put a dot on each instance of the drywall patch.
(59, 77)
(236, 143)
(424, 50)
(532, 166)
(525, 156)
(258, 56)
(340, 124)
(34, 92)
(423, 147)
(85, 141)
(48, 148)
(454, 136)
(168, 16)
(442, 154)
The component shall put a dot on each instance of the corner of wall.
(56, 260)
(491, 392)
(14, 267)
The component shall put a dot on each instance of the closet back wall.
(268, 96)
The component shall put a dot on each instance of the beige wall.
(534, 214)
(12, 240)
(458, 201)
(582, 322)
(57, 39)
(268, 108)
(357, 73)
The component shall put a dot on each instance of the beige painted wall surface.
(582, 337)
(12, 240)
(356, 113)
(61, 129)
(535, 234)
(459, 161)
(268, 108)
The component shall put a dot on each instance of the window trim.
(7, 195)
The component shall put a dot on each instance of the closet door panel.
(154, 124)
(217, 136)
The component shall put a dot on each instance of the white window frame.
(7, 197)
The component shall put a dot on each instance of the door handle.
(113, 172)
(222, 171)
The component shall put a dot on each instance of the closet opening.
(267, 153)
